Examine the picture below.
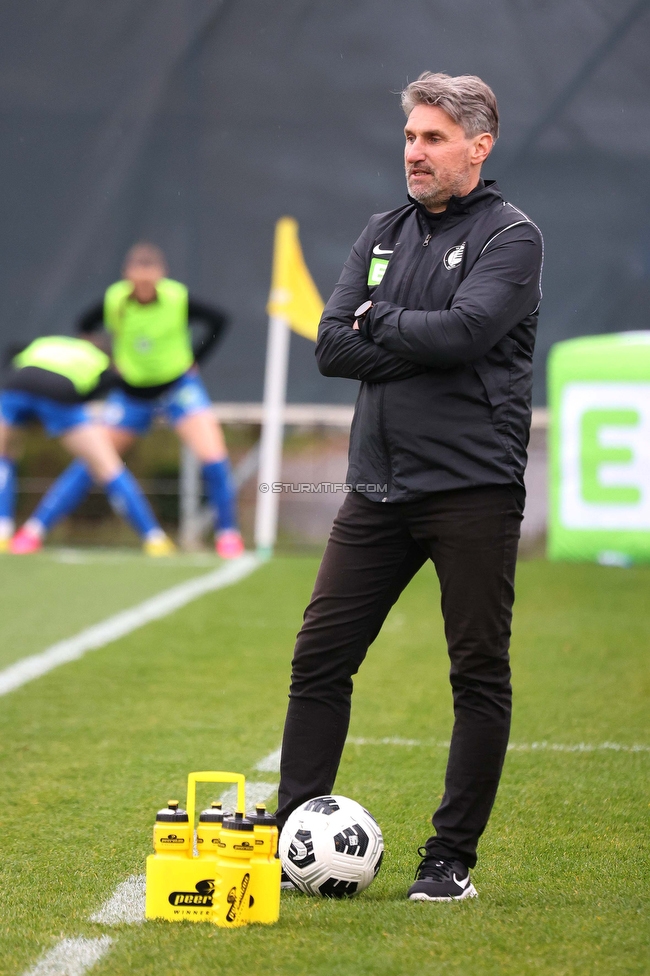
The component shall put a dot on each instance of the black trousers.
(374, 550)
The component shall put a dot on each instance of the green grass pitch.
(90, 751)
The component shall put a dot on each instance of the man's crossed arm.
(501, 289)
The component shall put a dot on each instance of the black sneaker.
(286, 884)
(439, 880)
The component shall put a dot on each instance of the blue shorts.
(18, 407)
(185, 397)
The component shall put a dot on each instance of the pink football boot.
(25, 542)
(229, 544)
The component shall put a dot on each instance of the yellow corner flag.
(294, 296)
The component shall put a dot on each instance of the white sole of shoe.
(470, 892)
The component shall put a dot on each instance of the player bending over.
(50, 381)
(147, 316)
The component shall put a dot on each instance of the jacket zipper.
(416, 265)
(382, 427)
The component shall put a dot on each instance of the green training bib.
(152, 342)
(76, 359)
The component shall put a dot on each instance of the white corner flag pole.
(275, 392)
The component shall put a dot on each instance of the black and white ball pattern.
(331, 846)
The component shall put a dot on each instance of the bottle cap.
(237, 822)
(214, 814)
(262, 816)
(172, 814)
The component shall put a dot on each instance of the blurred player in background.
(50, 381)
(155, 354)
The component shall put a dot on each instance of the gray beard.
(437, 195)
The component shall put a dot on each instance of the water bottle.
(265, 868)
(172, 833)
(236, 845)
(209, 829)
(172, 891)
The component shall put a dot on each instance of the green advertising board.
(599, 449)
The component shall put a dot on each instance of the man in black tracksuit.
(435, 312)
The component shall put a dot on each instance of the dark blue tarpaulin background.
(197, 123)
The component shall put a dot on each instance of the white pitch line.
(578, 747)
(512, 746)
(393, 741)
(71, 957)
(126, 904)
(123, 623)
(121, 557)
(255, 793)
(270, 763)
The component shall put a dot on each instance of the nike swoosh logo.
(461, 884)
(377, 249)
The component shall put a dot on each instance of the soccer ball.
(331, 846)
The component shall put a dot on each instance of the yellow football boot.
(160, 545)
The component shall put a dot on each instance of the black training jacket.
(445, 355)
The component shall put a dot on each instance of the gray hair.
(466, 99)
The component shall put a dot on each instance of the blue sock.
(128, 500)
(221, 492)
(7, 487)
(67, 492)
